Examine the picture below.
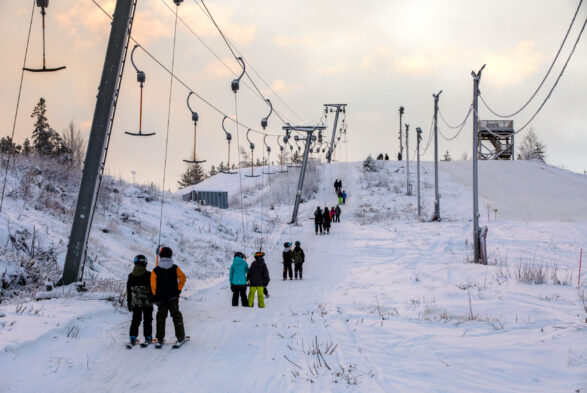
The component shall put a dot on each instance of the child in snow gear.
(339, 197)
(343, 197)
(337, 211)
(298, 258)
(326, 220)
(287, 261)
(318, 220)
(238, 279)
(139, 300)
(167, 281)
(332, 214)
(258, 277)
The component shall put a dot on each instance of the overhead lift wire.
(180, 81)
(26, 51)
(545, 76)
(555, 83)
(460, 126)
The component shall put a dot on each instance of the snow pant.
(340, 200)
(146, 314)
(327, 227)
(171, 307)
(318, 226)
(260, 298)
(337, 218)
(239, 290)
(298, 269)
(343, 200)
(287, 269)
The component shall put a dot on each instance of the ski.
(146, 343)
(180, 343)
(129, 345)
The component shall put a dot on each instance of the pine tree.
(194, 174)
(26, 147)
(6, 145)
(46, 141)
(213, 171)
(446, 157)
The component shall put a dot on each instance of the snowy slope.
(388, 300)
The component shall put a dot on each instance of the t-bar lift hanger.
(195, 120)
(43, 4)
(141, 78)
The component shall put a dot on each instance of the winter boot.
(149, 340)
(133, 340)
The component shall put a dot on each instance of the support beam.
(419, 138)
(339, 108)
(436, 216)
(408, 185)
(476, 232)
(401, 146)
(98, 140)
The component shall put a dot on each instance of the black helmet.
(141, 260)
(239, 254)
(165, 252)
(297, 243)
(287, 244)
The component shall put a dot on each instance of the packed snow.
(389, 302)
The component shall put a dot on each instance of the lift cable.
(26, 51)
(462, 125)
(545, 76)
(179, 80)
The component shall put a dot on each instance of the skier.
(343, 197)
(139, 300)
(318, 220)
(167, 281)
(287, 261)
(332, 214)
(298, 257)
(238, 279)
(337, 211)
(326, 220)
(339, 197)
(258, 277)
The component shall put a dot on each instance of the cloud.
(306, 40)
(217, 70)
(512, 66)
(414, 65)
(379, 57)
(282, 87)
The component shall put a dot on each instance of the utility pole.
(419, 138)
(309, 130)
(408, 185)
(339, 108)
(401, 146)
(476, 232)
(99, 137)
(436, 195)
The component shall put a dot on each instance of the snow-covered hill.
(388, 303)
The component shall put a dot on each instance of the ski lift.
(43, 4)
(268, 156)
(228, 139)
(235, 82)
(264, 120)
(252, 146)
(281, 149)
(195, 120)
(141, 78)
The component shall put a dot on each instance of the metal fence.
(211, 198)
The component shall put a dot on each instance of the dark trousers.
(337, 218)
(145, 314)
(327, 227)
(171, 307)
(286, 269)
(239, 290)
(298, 269)
(318, 226)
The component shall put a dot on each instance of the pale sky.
(373, 55)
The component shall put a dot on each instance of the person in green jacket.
(238, 279)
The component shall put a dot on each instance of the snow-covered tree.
(369, 164)
(75, 144)
(46, 141)
(213, 170)
(194, 174)
(6, 145)
(532, 148)
(446, 157)
(26, 147)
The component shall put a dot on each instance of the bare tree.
(75, 142)
(532, 148)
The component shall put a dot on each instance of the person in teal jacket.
(238, 279)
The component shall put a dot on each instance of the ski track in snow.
(392, 296)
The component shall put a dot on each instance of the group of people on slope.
(380, 157)
(295, 257)
(162, 287)
(340, 192)
(256, 277)
(323, 218)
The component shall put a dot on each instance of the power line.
(461, 126)
(545, 76)
(180, 81)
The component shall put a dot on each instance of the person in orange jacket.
(167, 281)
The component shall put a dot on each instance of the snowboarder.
(337, 211)
(287, 261)
(326, 220)
(318, 220)
(167, 281)
(258, 277)
(238, 279)
(298, 258)
(343, 197)
(139, 300)
(339, 197)
(332, 214)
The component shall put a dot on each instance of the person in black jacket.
(139, 299)
(298, 258)
(258, 277)
(337, 211)
(326, 220)
(167, 281)
(318, 220)
(287, 261)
